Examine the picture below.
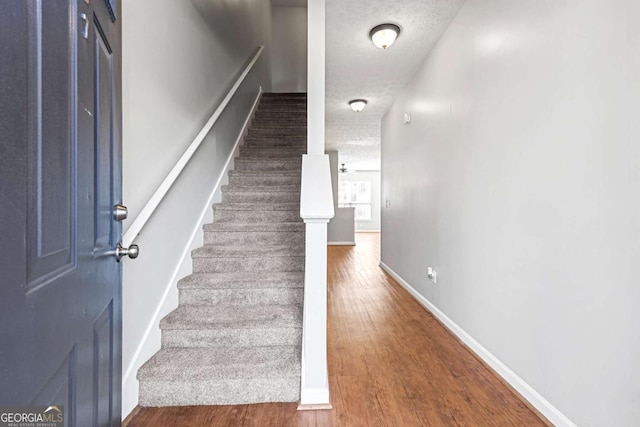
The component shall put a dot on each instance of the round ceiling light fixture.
(384, 35)
(358, 105)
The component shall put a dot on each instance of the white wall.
(519, 181)
(374, 178)
(341, 228)
(289, 57)
(172, 82)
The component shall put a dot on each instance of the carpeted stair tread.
(190, 317)
(266, 251)
(291, 173)
(260, 188)
(284, 94)
(271, 152)
(293, 163)
(274, 100)
(267, 195)
(290, 122)
(283, 108)
(252, 227)
(294, 103)
(298, 124)
(300, 139)
(292, 206)
(281, 115)
(242, 280)
(206, 364)
(276, 143)
(220, 376)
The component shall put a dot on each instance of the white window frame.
(358, 195)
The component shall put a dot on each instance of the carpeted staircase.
(235, 337)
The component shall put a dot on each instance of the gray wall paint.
(518, 180)
(341, 228)
(289, 59)
(172, 82)
(374, 178)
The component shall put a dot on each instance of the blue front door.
(60, 178)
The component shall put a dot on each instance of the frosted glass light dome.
(358, 105)
(384, 35)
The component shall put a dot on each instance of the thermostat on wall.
(407, 118)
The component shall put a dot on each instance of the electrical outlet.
(387, 204)
(432, 274)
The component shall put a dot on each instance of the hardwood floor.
(390, 363)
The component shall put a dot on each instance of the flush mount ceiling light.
(358, 105)
(384, 35)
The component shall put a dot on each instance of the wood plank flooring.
(391, 363)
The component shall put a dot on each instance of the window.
(356, 194)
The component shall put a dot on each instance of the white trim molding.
(525, 390)
(341, 243)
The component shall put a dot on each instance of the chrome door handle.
(132, 252)
(85, 29)
(120, 212)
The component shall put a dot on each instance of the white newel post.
(316, 209)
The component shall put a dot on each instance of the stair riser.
(270, 165)
(270, 197)
(241, 297)
(257, 216)
(285, 108)
(283, 122)
(256, 281)
(281, 116)
(293, 102)
(248, 264)
(300, 144)
(278, 152)
(264, 180)
(218, 392)
(251, 238)
(283, 98)
(277, 132)
(231, 337)
(270, 95)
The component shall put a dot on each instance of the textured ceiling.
(357, 69)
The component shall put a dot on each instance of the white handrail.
(150, 207)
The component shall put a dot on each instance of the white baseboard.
(341, 243)
(316, 398)
(367, 231)
(526, 391)
(150, 341)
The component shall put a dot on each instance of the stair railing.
(152, 204)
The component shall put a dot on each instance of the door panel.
(103, 361)
(52, 144)
(61, 387)
(60, 175)
(104, 139)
